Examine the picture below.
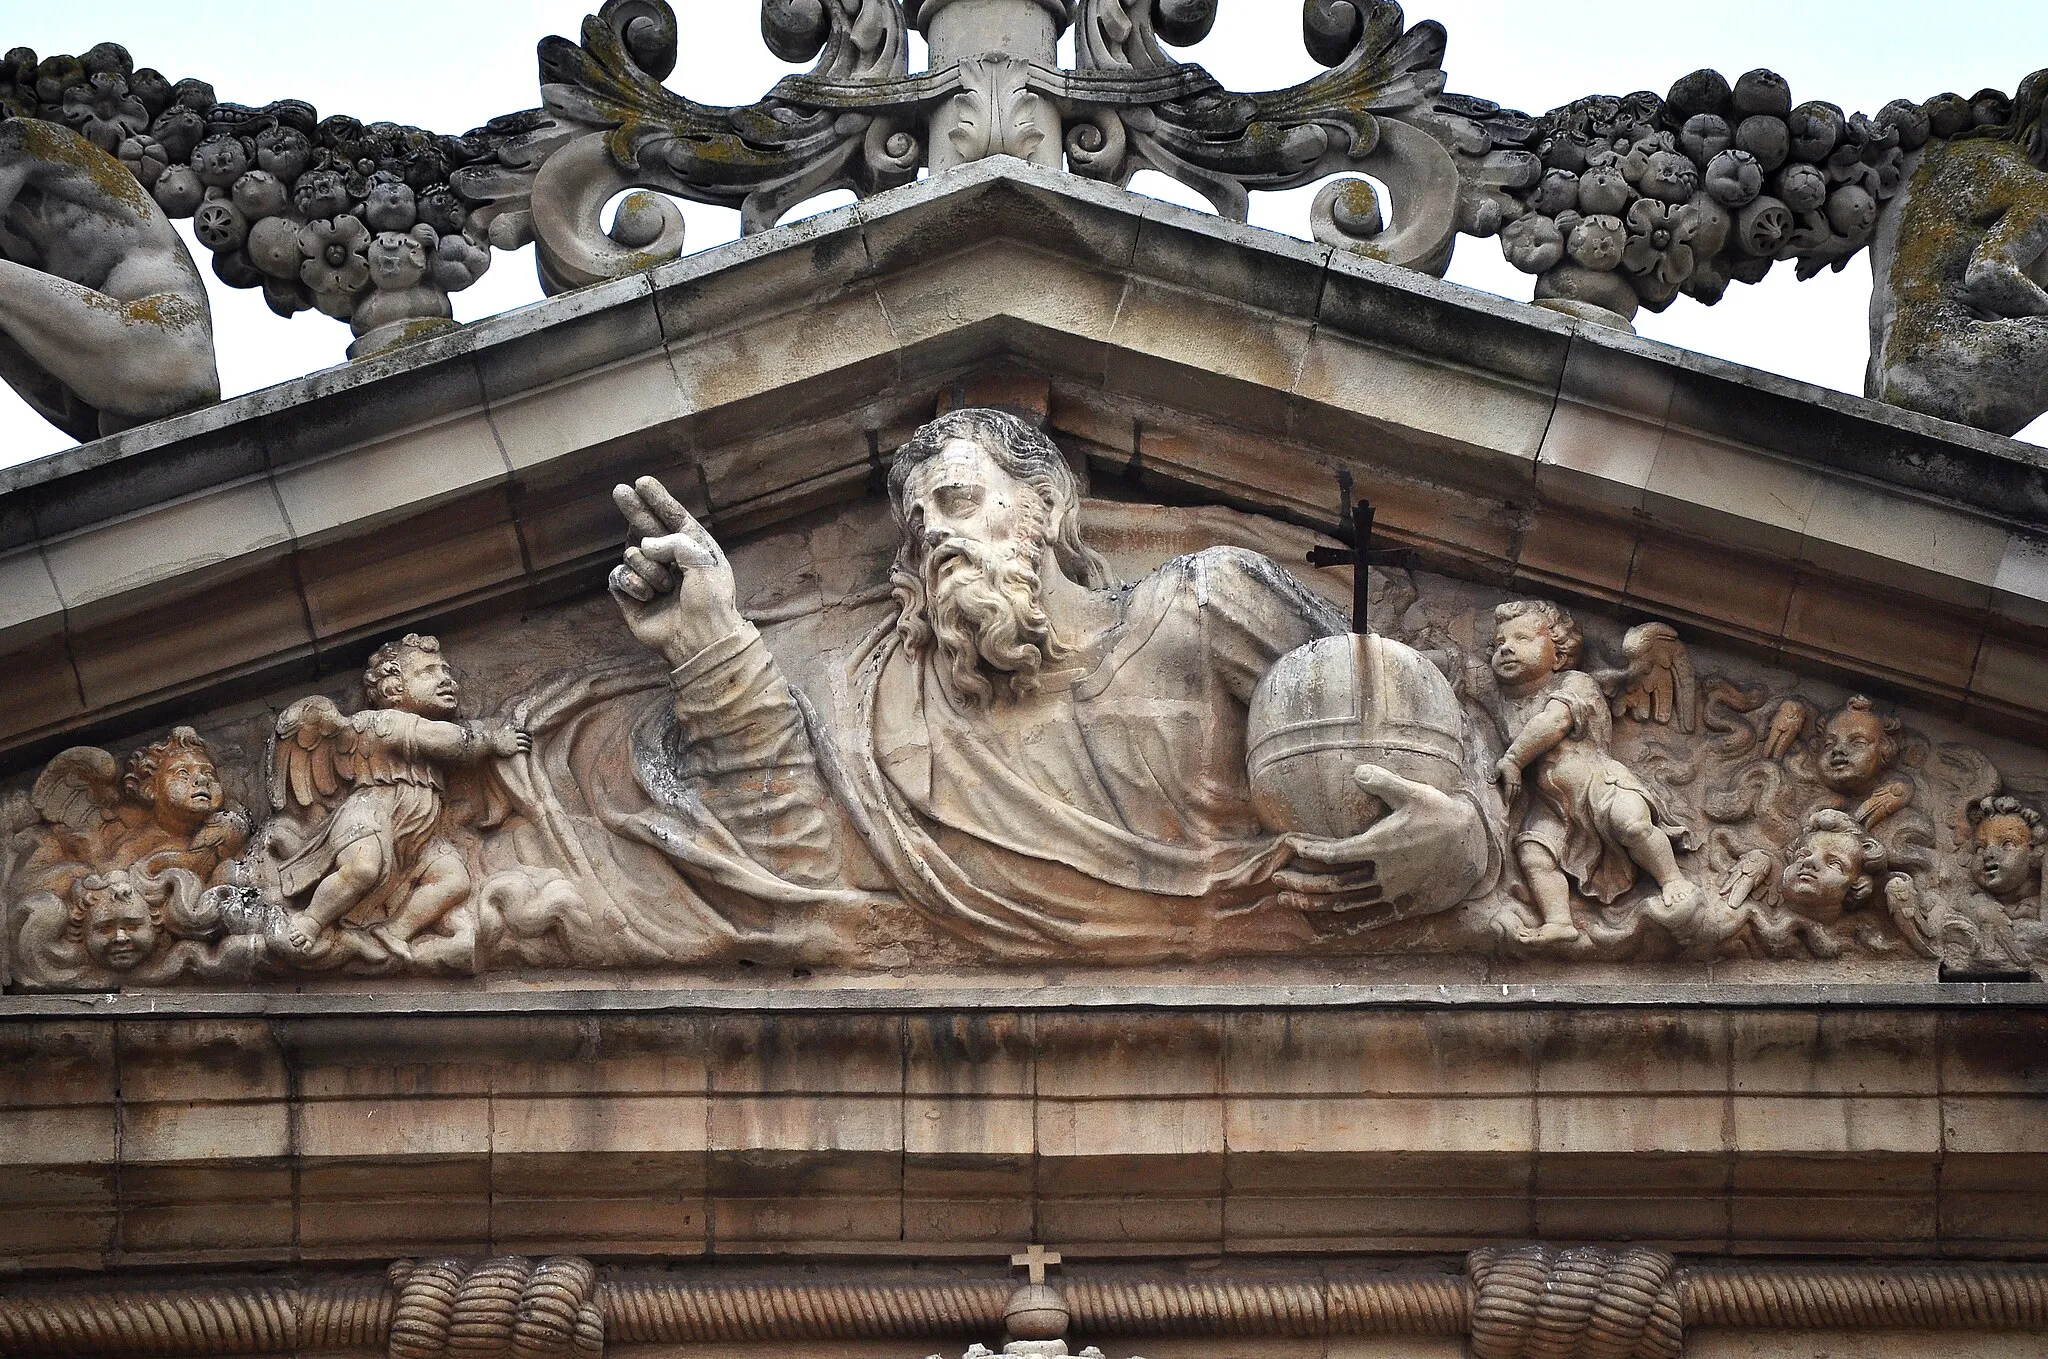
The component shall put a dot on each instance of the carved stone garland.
(1613, 203)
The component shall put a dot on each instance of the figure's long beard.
(981, 614)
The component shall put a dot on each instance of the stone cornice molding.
(627, 1125)
(1007, 995)
(1574, 1301)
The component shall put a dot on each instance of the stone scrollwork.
(1376, 110)
(611, 125)
(1612, 203)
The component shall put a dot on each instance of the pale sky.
(454, 63)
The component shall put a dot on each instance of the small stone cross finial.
(1037, 1259)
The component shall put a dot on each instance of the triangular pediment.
(276, 533)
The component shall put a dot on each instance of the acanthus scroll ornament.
(1613, 203)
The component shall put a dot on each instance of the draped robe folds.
(1106, 818)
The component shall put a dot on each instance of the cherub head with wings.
(102, 813)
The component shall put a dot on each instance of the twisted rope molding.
(1578, 1303)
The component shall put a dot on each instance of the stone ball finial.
(1036, 1311)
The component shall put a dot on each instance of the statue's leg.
(1553, 893)
(359, 869)
(443, 886)
(2012, 355)
(1634, 823)
(132, 361)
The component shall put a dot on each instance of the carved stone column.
(995, 113)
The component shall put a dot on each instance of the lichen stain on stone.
(59, 146)
(167, 310)
(1959, 192)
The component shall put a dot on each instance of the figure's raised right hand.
(674, 585)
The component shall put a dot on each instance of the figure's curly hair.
(2000, 804)
(2027, 123)
(150, 892)
(140, 778)
(1888, 748)
(386, 664)
(1024, 454)
(1562, 627)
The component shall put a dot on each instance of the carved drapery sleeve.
(744, 749)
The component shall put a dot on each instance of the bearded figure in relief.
(1026, 756)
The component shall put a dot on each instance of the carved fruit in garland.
(1339, 702)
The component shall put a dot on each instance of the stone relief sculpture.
(1613, 203)
(104, 322)
(163, 808)
(1039, 761)
(375, 782)
(978, 738)
(1587, 821)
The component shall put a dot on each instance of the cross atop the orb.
(1360, 555)
(1037, 1260)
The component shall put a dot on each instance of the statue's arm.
(132, 338)
(1997, 281)
(454, 742)
(745, 751)
(1542, 733)
(1254, 611)
(134, 359)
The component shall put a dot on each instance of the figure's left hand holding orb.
(1355, 754)
(1428, 853)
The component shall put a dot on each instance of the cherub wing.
(79, 789)
(313, 759)
(1660, 685)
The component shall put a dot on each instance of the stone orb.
(1339, 702)
(1036, 1312)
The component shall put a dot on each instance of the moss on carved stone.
(61, 146)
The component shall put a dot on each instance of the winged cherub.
(1590, 820)
(164, 809)
(379, 857)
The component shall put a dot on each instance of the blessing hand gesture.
(674, 585)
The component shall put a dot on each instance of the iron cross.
(1359, 556)
(1036, 1260)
